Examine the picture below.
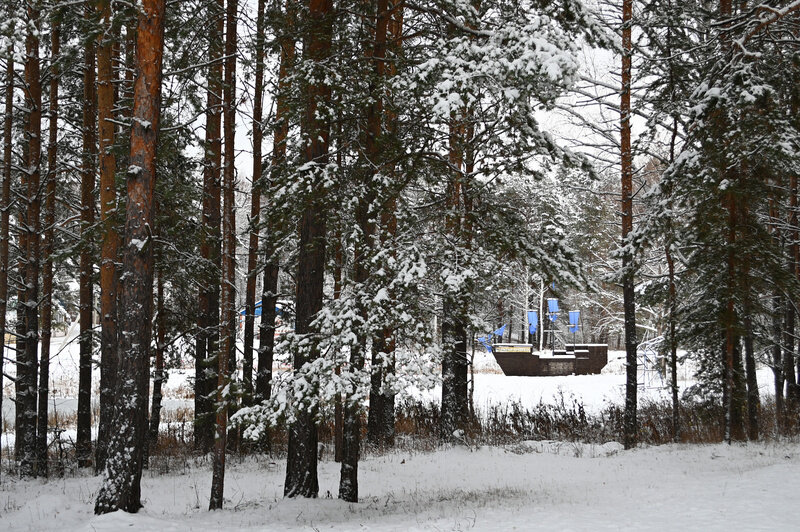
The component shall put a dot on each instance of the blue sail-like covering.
(533, 321)
(574, 318)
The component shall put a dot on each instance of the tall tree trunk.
(27, 379)
(789, 358)
(338, 407)
(734, 422)
(159, 375)
(673, 346)
(121, 488)
(255, 207)
(788, 354)
(301, 464)
(5, 221)
(753, 399)
(47, 244)
(739, 390)
(269, 295)
(365, 216)
(777, 361)
(455, 393)
(83, 444)
(110, 246)
(22, 379)
(630, 425)
(228, 305)
(207, 341)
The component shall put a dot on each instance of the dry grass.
(417, 429)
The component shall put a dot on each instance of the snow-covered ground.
(531, 486)
(536, 486)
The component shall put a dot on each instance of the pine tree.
(27, 361)
(631, 344)
(226, 357)
(207, 340)
(49, 241)
(255, 206)
(5, 222)
(301, 467)
(121, 488)
(110, 239)
(83, 443)
(269, 296)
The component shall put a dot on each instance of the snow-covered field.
(536, 486)
(491, 388)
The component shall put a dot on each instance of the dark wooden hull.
(578, 359)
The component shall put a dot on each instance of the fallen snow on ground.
(530, 486)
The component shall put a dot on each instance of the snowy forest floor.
(529, 486)
(542, 485)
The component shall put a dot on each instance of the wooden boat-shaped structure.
(576, 359)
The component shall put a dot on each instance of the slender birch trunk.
(159, 374)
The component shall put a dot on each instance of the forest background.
(381, 174)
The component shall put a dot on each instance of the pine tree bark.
(301, 466)
(380, 421)
(5, 218)
(269, 295)
(455, 392)
(121, 489)
(47, 245)
(753, 399)
(110, 245)
(630, 424)
(28, 363)
(389, 222)
(83, 443)
(207, 341)
(365, 216)
(255, 207)
(225, 357)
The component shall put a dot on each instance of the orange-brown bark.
(110, 245)
(121, 487)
